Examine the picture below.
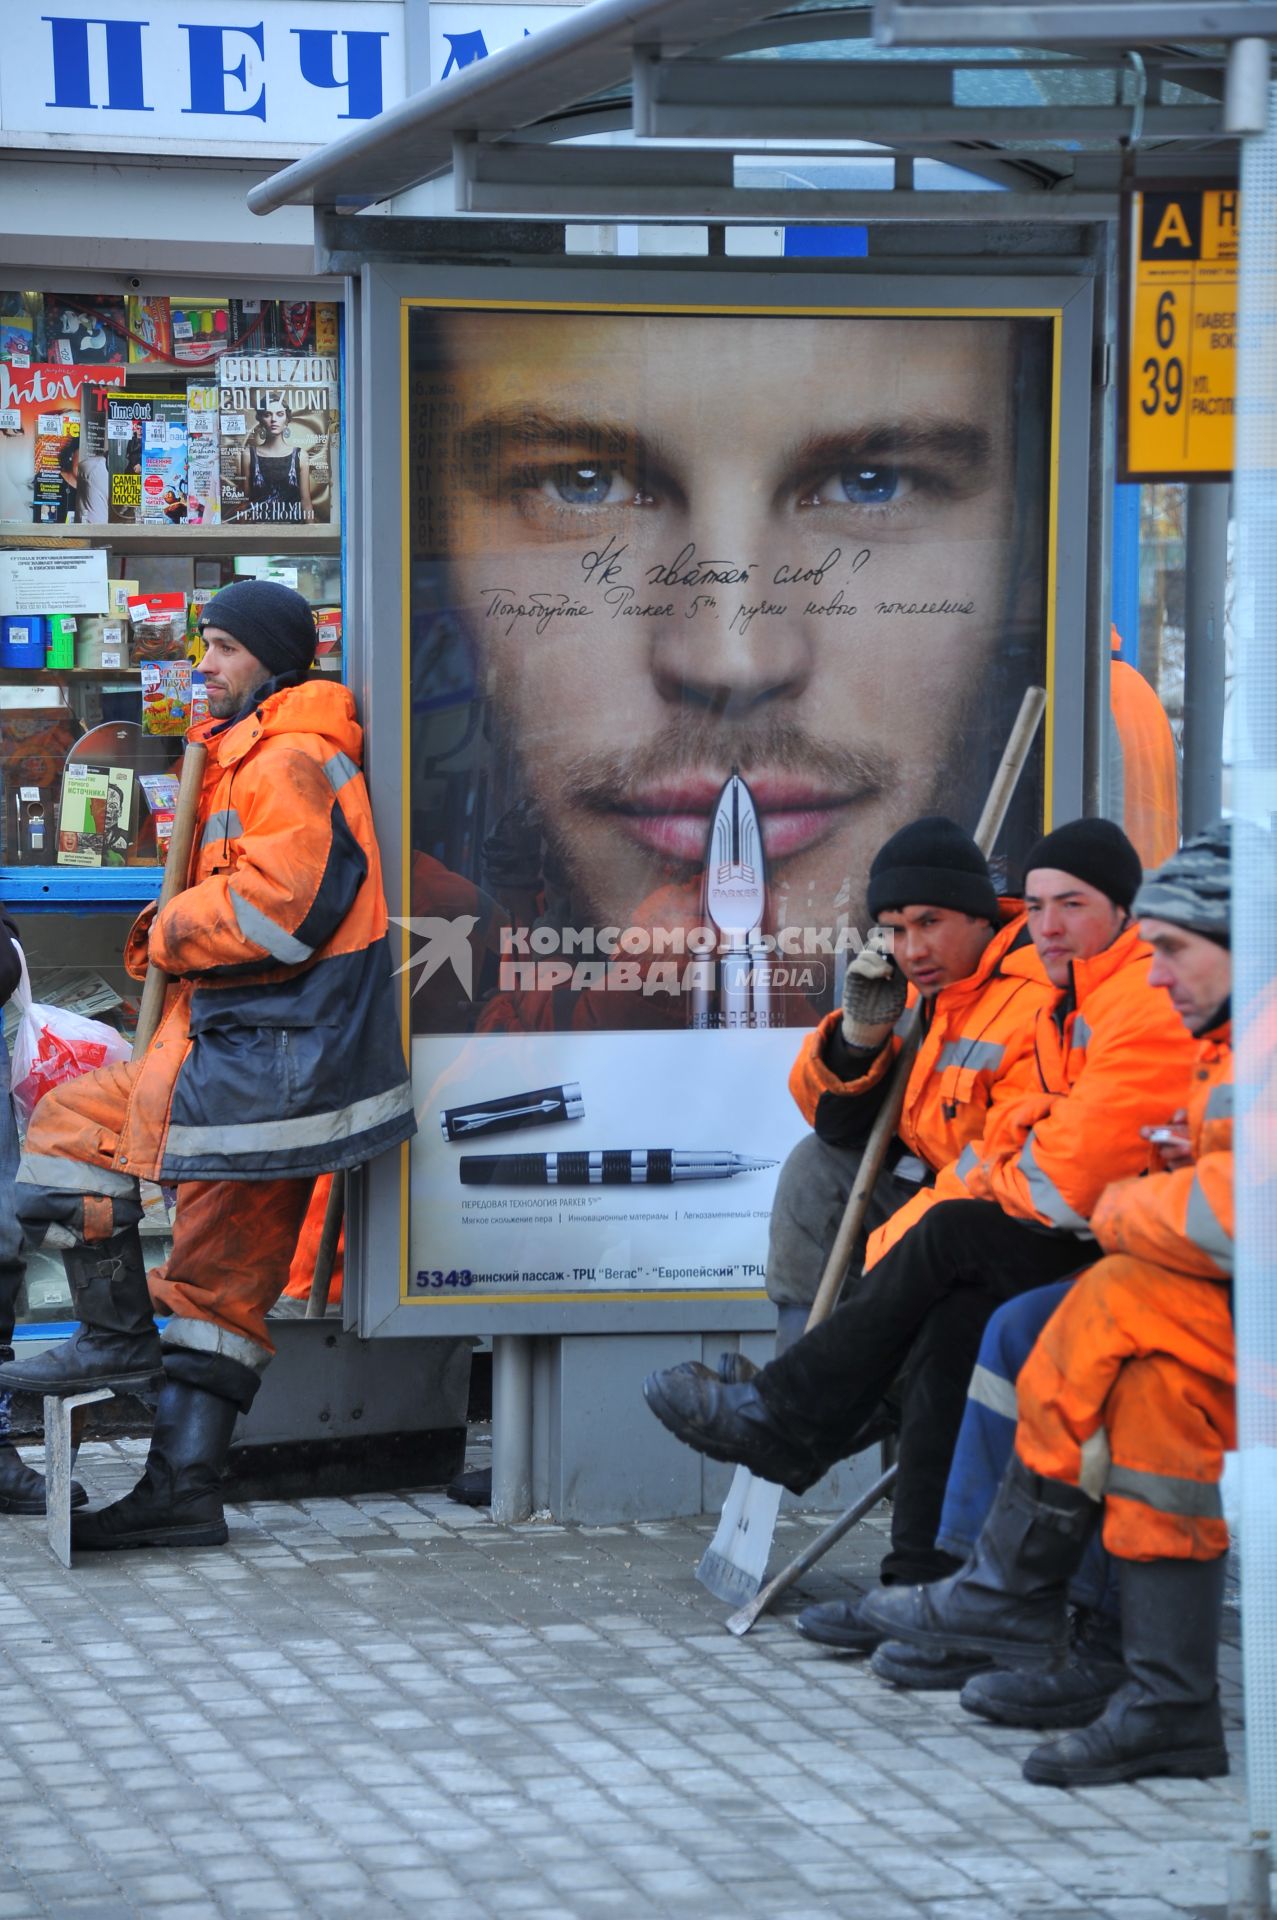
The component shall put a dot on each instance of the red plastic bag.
(52, 1045)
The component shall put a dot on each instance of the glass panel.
(703, 607)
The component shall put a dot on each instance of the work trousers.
(986, 1441)
(920, 1313)
(1130, 1394)
(811, 1198)
(233, 1240)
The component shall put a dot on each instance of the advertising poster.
(704, 606)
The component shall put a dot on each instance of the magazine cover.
(57, 452)
(121, 419)
(279, 425)
(29, 397)
(163, 502)
(203, 454)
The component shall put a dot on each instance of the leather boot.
(21, 1490)
(116, 1344)
(731, 1423)
(1008, 1601)
(178, 1500)
(1071, 1697)
(1166, 1719)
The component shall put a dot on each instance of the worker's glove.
(873, 994)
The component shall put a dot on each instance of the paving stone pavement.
(390, 1706)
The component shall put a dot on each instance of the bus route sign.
(1180, 360)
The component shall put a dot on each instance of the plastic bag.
(52, 1045)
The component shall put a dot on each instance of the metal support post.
(511, 1428)
(61, 1442)
(1248, 1882)
(1205, 662)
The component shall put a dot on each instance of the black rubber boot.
(178, 1500)
(21, 1490)
(920, 1672)
(731, 1423)
(116, 1344)
(837, 1624)
(1071, 1697)
(1166, 1719)
(1008, 1602)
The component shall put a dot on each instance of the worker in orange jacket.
(1109, 1055)
(1126, 1409)
(278, 1059)
(1144, 761)
(968, 957)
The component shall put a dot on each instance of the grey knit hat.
(1193, 889)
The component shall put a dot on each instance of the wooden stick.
(326, 1256)
(177, 877)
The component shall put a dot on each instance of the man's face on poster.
(780, 545)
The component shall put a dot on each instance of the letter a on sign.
(1174, 227)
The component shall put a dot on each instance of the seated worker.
(1126, 1411)
(278, 1059)
(1191, 894)
(968, 957)
(1110, 1055)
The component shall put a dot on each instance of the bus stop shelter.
(600, 197)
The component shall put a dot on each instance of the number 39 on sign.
(1179, 378)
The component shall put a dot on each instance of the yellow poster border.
(408, 303)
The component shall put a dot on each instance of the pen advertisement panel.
(704, 605)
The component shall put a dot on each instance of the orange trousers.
(1146, 1358)
(233, 1240)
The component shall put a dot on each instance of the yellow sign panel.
(1182, 347)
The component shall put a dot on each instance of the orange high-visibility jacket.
(1111, 1056)
(977, 1032)
(1144, 764)
(1184, 1220)
(279, 1052)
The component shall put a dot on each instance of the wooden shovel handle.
(326, 1255)
(177, 870)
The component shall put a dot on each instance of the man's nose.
(731, 646)
(1159, 974)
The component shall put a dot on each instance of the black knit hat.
(272, 621)
(932, 863)
(1093, 850)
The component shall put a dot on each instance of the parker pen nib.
(736, 905)
(746, 1165)
(735, 877)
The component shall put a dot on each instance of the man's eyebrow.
(523, 428)
(960, 441)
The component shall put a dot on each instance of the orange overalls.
(1136, 1366)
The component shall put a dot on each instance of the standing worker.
(278, 1058)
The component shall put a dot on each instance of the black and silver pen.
(610, 1167)
(543, 1106)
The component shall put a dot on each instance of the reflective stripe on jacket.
(978, 1033)
(1184, 1220)
(1111, 1056)
(280, 1050)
